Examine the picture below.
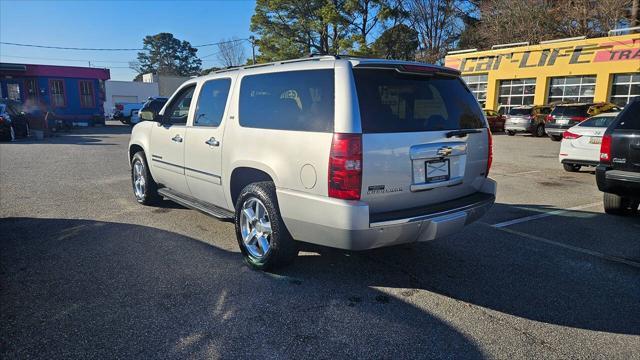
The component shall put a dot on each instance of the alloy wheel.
(255, 228)
(138, 179)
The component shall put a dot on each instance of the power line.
(107, 49)
(60, 59)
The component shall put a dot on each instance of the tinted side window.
(629, 118)
(212, 102)
(156, 105)
(178, 110)
(391, 102)
(295, 100)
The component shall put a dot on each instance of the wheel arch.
(244, 175)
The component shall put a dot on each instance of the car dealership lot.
(87, 272)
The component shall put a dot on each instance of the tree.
(437, 24)
(163, 54)
(231, 52)
(364, 16)
(589, 18)
(399, 42)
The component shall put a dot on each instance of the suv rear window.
(599, 121)
(515, 111)
(293, 100)
(578, 110)
(391, 102)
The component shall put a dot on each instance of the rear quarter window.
(293, 100)
(391, 102)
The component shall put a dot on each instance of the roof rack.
(312, 57)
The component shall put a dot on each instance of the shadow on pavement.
(88, 289)
(99, 135)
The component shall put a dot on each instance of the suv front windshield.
(391, 102)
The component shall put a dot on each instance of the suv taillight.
(605, 149)
(490, 154)
(550, 118)
(345, 166)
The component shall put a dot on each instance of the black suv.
(618, 174)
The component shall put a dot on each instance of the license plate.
(595, 140)
(437, 170)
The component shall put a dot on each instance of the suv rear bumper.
(348, 224)
(623, 183)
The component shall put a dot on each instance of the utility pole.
(252, 39)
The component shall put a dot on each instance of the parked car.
(527, 119)
(565, 116)
(13, 121)
(342, 152)
(124, 111)
(618, 174)
(152, 106)
(496, 120)
(581, 143)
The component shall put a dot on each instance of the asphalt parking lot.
(86, 272)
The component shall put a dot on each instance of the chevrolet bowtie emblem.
(445, 151)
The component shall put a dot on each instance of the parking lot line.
(574, 248)
(543, 215)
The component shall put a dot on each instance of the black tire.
(539, 132)
(571, 167)
(6, 136)
(149, 195)
(555, 137)
(282, 247)
(618, 205)
(511, 133)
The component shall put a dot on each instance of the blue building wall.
(72, 111)
(40, 98)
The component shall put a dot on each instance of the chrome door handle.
(177, 138)
(212, 142)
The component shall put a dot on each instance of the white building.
(166, 84)
(128, 92)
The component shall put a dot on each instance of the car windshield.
(577, 110)
(520, 111)
(391, 102)
(598, 122)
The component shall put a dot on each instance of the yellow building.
(574, 70)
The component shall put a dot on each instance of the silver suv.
(348, 153)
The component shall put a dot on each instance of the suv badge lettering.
(445, 151)
(620, 161)
(382, 189)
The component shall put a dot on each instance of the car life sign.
(591, 52)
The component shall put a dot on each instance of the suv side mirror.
(149, 115)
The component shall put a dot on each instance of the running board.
(192, 203)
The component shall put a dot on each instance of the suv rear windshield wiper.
(462, 133)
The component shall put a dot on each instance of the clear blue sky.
(115, 24)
